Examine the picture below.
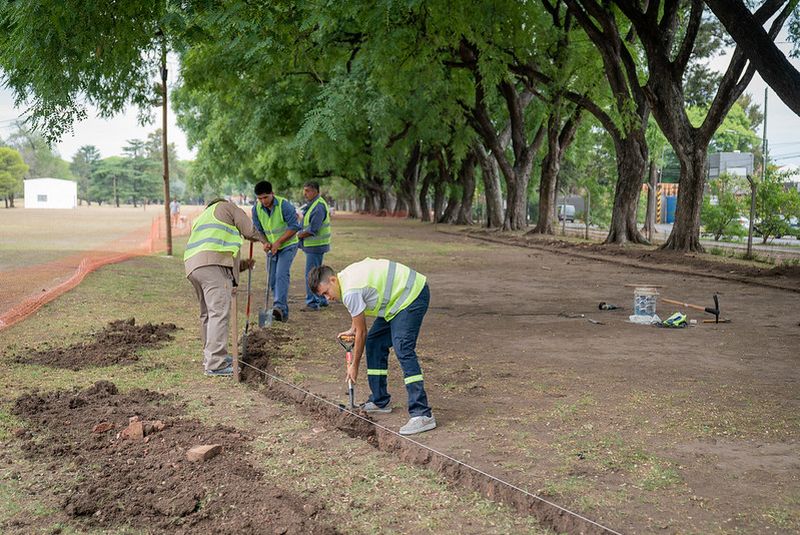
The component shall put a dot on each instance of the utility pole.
(164, 146)
(754, 184)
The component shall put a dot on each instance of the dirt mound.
(262, 346)
(146, 482)
(115, 344)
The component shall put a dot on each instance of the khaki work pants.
(214, 288)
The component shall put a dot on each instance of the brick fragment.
(135, 431)
(204, 452)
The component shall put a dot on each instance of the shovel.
(265, 314)
(347, 343)
(247, 311)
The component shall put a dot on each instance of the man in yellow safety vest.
(397, 297)
(315, 238)
(275, 217)
(212, 266)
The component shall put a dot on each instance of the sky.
(110, 135)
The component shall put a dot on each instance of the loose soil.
(641, 429)
(117, 343)
(148, 483)
(358, 424)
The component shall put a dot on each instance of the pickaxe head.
(714, 310)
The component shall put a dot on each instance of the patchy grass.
(362, 486)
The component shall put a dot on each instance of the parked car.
(570, 212)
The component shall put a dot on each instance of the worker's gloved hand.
(247, 264)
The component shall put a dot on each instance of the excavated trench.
(361, 426)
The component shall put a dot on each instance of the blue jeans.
(401, 333)
(312, 300)
(279, 282)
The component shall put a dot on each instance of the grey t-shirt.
(357, 300)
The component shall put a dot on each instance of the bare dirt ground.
(146, 482)
(116, 343)
(643, 429)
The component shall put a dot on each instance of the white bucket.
(644, 301)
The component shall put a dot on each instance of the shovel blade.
(264, 318)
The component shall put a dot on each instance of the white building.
(50, 193)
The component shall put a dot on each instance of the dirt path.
(643, 429)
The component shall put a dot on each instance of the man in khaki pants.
(212, 266)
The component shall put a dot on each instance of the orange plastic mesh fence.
(25, 290)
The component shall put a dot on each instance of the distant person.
(397, 297)
(276, 219)
(212, 266)
(315, 238)
(174, 211)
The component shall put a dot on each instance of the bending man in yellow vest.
(397, 297)
(276, 218)
(212, 266)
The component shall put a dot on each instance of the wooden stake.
(234, 305)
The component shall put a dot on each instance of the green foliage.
(776, 204)
(37, 153)
(12, 169)
(111, 49)
(722, 218)
(83, 165)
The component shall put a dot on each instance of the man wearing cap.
(397, 297)
(315, 238)
(276, 219)
(212, 266)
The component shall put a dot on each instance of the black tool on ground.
(247, 308)
(347, 343)
(714, 311)
(608, 306)
(265, 314)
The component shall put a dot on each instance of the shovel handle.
(681, 303)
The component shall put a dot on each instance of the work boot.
(371, 408)
(418, 424)
(227, 371)
(277, 314)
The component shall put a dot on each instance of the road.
(785, 247)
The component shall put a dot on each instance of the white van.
(570, 212)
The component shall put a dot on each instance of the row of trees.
(413, 102)
(134, 178)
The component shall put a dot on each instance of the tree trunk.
(11, 200)
(438, 198)
(490, 174)
(467, 189)
(6, 200)
(551, 165)
(424, 208)
(632, 156)
(453, 205)
(650, 220)
(517, 195)
(408, 185)
(685, 235)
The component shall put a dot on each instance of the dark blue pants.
(312, 300)
(401, 333)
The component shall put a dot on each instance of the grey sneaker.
(370, 407)
(418, 424)
(227, 371)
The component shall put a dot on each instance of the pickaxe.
(710, 310)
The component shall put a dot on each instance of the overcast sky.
(110, 135)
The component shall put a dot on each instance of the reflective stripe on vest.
(396, 285)
(274, 225)
(211, 234)
(323, 235)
